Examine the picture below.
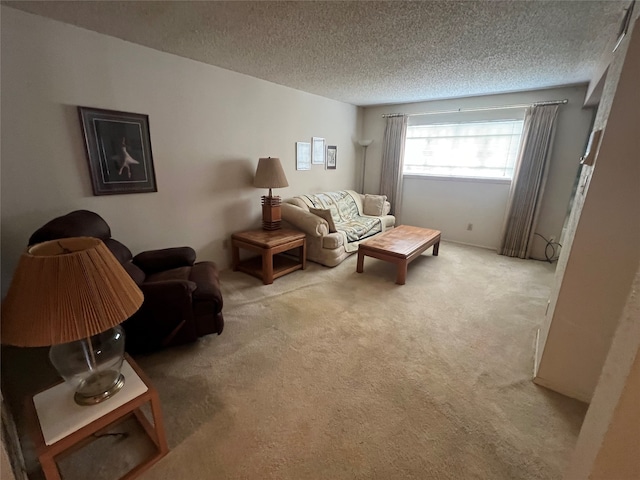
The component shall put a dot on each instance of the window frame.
(462, 118)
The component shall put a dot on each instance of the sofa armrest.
(386, 209)
(389, 221)
(304, 221)
(153, 261)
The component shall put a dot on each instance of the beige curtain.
(395, 134)
(529, 180)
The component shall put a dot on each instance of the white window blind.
(473, 149)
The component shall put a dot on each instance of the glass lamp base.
(98, 388)
(91, 365)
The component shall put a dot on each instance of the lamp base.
(92, 365)
(271, 213)
(100, 382)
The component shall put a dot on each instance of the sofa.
(182, 297)
(336, 222)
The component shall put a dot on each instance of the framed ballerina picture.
(118, 148)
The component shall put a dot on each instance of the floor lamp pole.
(364, 166)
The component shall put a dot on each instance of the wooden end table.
(269, 243)
(60, 426)
(400, 245)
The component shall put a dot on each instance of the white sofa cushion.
(326, 214)
(374, 205)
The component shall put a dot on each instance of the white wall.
(450, 206)
(607, 446)
(208, 128)
(594, 276)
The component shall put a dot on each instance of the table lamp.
(270, 174)
(72, 294)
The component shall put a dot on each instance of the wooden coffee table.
(400, 245)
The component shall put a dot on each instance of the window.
(474, 149)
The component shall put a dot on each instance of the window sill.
(502, 181)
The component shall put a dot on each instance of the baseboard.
(469, 244)
(581, 396)
(535, 354)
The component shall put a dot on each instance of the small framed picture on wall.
(317, 147)
(332, 156)
(303, 156)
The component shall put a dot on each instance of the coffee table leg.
(436, 247)
(360, 266)
(401, 279)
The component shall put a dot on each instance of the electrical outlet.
(470, 226)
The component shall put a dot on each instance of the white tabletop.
(60, 415)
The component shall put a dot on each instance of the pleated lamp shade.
(270, 174)
(66, 290)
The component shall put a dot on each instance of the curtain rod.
(479, 109)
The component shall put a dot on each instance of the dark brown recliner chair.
(182, 299)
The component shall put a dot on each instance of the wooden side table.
(60, 426)
(269, 244)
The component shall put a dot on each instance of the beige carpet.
(330, 374)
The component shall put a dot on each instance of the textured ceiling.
(369, 53)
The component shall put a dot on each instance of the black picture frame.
(118, 146)
(332, 157)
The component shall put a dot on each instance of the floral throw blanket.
(346, 217)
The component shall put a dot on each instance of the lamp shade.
(65, 290)
(270, 174)
(365, 143)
